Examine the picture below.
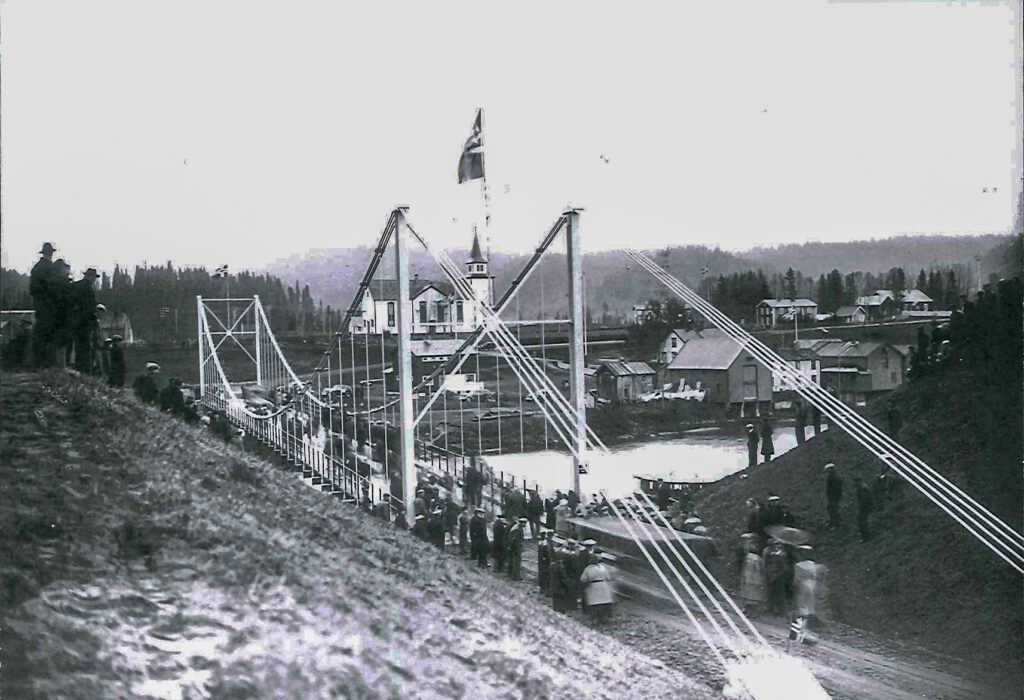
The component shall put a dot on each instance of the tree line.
(160, 301)
(737, 294)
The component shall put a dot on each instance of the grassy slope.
(140, 555)
(923, 577)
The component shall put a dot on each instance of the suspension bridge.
(361, 426)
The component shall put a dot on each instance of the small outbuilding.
(725, 369)
(620, 380)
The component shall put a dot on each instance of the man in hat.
(515, 548)
(560, 583)
(101, 345)
(146, 386)
(584, 556)
(773, 511)
(833, 493)
(172, 400)
(419, 527)
(435, 528)
(544, 552)
(83, 319)
(419, 504)
(478, 538)
(752, 440)
(499, 542)
(562, 514)
(570, 563)
(118, 369)
(664, 494)
(43, 303)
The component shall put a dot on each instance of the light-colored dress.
(808, 588)
(752, 583)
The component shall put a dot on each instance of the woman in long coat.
(752, 578)
(767, 446)
(598, 595)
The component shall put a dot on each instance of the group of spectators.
(571, 573)
(66, 329)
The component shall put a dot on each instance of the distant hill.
(912, 253)
(614, 283)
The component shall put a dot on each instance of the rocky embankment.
(142, 557)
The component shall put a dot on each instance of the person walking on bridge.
(499, 542)
(478, 538)
(534, 511)
(664, 495)
(833, 493)
(752, 439)
(767, 445)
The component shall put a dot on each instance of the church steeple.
(475, 256)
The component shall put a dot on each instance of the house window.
(750, 382)
(423, 312)
(391, 314)
(441, 311)
(885, 359)
(674, 339)
(458, 312)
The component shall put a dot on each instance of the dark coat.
(478, 531)
(833, 486)
(767, 446)
(419, 528)
(561, 586)
(118, 369)
(146, 389)
(515, 539)
(499, 536)
(534, 507)
(171, 399)
(664, 495)
(865, 501)
(752, 439)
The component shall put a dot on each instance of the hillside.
(922, 578)
(911, 252)
(142, 558)
(613, 284)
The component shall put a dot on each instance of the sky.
(243, 132)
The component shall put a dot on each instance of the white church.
(436, 308)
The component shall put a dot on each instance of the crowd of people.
(66, 327)
(572, 573)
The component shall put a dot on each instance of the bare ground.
(143, 558)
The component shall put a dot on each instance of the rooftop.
(707, 353)
(787, 303)
(620, 368)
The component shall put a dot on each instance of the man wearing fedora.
(83, 319)
(42, 301)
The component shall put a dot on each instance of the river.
(703, 455)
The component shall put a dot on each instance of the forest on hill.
(613, 284)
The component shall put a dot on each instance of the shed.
(620, 380)
(724, 368)
(851, 314)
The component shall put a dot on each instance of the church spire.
(475, 256)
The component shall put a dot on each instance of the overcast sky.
(213, 132)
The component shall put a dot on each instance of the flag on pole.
(222, 271)
(471, 163)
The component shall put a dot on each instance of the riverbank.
(921, 578)
(145, 558)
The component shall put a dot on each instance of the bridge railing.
(334, 473)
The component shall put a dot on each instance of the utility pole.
(577, 386)
(406, 416)
(256, 308)
(202, 341)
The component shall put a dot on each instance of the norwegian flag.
(471, 163)
(221, 271)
